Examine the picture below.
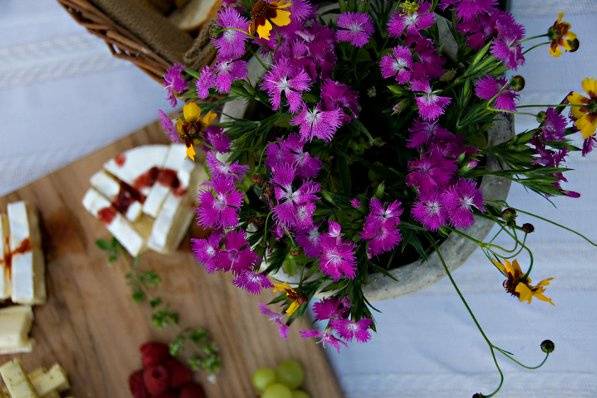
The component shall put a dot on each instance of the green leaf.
(155, 302)
(138, 296)
(103, 244)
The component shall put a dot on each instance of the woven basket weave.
(136, 32)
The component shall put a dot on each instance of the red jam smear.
(120, 159)
(128, 194)
(24, 247)
(163, 176)
(106, 215)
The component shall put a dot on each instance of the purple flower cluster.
(295, 197)
(317, 110)
(498, 92)
(231, 46)
(227, 248)
(174, 82)
(380, 229)
(480, 21)
(415, 61)
(339, 329)
(443, 198)
(548, 149)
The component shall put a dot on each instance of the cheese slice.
(15, 325)
(135, 162)
(4, 256)
(175, 160)
(27, 269)
(16, 380)
(119, 227)
(47, 384)
(171, 225)
(110, 188)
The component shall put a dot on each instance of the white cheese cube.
(16, 380)
(15, 324)
(27, 268)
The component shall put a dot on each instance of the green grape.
(290, 373)
(299, 394)
(263, 377)
(277, 391)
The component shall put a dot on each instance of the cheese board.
(90, 325)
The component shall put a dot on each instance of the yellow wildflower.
(191, 124)
(265, 14)
(296, 298)
(519, 285)
(561, 37)
(584, 109)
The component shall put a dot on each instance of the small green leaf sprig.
(204, 355)
(112, 248)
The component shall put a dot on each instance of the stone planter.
(455, 249)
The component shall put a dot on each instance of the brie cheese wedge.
(158, 179)
(15, 325)
(27, 261)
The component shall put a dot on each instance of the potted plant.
(364, 150)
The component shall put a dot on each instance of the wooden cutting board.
(91, 326)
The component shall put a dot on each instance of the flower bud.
(547, 346)
(478, 395)
(372, 92)
(528, 228)
(517, 83)
(509, 215)
(541, 116)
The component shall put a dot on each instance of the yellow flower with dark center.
(266, 14)
(584, 109)
(296, 298)
(519, 285)
(191, 125)
(561, 37)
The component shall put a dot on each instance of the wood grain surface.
(91, 326)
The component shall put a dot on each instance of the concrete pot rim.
(455, 249)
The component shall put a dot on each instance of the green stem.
(533, 37)
(535, 46)
(474, 318)
(192, 72)
(516, 361)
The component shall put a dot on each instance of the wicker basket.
(138, 33)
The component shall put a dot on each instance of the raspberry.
(179, 373)
(191, 390)
(154, 353)
(156, 380)
(137, 385)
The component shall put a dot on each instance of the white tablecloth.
(62, 95)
